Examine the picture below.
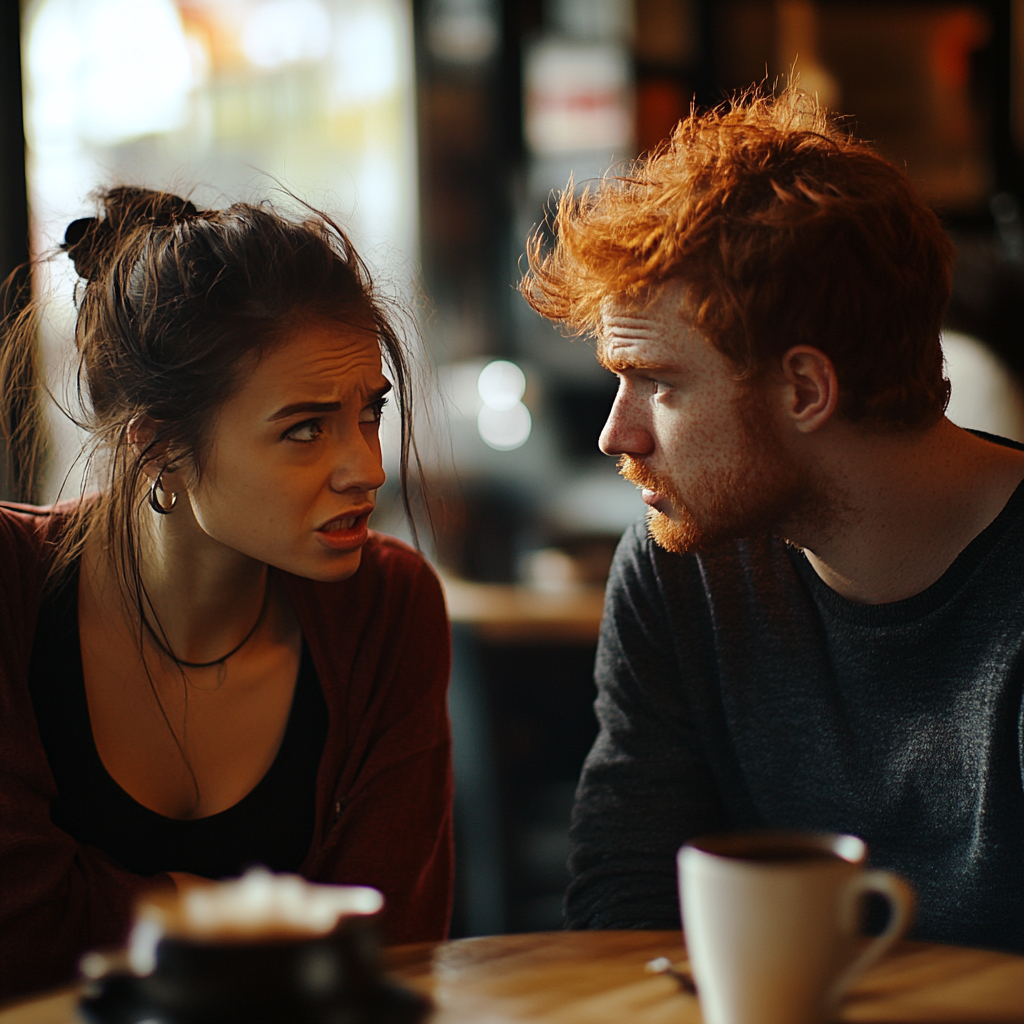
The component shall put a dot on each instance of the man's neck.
(910, 503)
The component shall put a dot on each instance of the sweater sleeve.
(391, 812)
(57, 896)
(646, 787)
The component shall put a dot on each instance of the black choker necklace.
(224, 657)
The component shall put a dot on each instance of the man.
(822, 626)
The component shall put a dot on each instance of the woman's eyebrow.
(297, 407)
(317, 408)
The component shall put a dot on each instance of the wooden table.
(599, 978)
(517, 614)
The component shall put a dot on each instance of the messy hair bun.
(88, 240)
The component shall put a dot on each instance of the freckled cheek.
(701, 438)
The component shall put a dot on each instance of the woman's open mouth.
(346, 533)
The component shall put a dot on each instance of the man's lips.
(661, 502)
(346, 532)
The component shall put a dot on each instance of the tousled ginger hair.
(786, 230)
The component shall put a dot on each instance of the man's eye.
(305, 432)
(372, 413)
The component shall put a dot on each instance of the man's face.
(705, 447)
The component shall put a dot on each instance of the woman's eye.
(307, 431)
(372, 413)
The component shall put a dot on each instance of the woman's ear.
(812, 387)
(140, 433)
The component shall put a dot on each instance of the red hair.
(786, 231)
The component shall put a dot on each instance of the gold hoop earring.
(154, 501)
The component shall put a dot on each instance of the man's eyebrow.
(623, 365)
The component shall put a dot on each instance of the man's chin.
(681, 535)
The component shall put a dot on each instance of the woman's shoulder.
(385, 553)
(28, 528)
(27, 536)
(394, 571)
(393, 594)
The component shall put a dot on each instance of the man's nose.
(626, 432)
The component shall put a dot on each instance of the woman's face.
(295, 461)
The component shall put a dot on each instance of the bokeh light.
(501, 384)
(505, 429)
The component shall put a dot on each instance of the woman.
(213, 663)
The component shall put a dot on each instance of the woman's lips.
(345, 533)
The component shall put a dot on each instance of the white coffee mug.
(772, 923)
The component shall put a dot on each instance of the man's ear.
(140, 433)
(811, 387)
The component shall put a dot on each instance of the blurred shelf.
(517, 614)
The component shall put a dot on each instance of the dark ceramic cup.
(334, 978)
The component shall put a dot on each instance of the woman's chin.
(340, 566)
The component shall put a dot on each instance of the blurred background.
(438, 131)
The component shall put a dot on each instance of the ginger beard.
(759, 494)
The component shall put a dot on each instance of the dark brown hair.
(176, 304)
(786, 231)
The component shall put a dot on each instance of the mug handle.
(900, 897)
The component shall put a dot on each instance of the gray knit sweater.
(736, 690)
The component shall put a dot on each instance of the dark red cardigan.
(382, 649)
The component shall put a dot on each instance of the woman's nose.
(359, 465)
(626, 432)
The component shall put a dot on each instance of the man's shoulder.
(1006, 442)
(1012, 512)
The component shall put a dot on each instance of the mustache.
(637, 473)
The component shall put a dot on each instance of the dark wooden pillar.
(14, 247)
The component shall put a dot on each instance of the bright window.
(225, 100)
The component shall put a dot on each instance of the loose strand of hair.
(22, 389)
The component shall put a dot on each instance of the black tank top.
(272, 825)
